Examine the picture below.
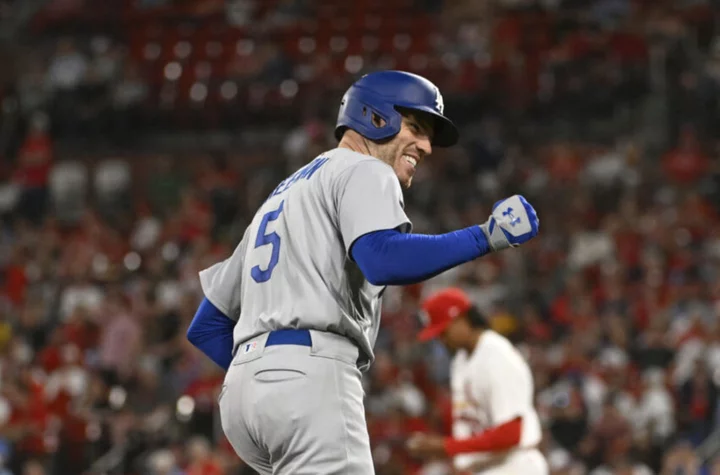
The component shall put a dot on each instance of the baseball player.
(293, 314)
(495, 427)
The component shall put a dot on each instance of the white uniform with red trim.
(491, 386)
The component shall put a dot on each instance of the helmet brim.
(445, 133)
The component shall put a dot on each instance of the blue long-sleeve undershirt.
(390, 257)
(211, 332)
(386, 257)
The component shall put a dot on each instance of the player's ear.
(378, 121)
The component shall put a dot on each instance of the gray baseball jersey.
(292, 268)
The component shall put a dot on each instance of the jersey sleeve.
(369, 198)
(510, 391)
(221, 282)
(504, 384)
(506, 402)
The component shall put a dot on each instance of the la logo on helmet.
(439, 105)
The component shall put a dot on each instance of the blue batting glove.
(513, 222)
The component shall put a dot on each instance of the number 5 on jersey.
(263, 239)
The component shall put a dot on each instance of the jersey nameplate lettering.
(305, 172)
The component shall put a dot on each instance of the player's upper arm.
(221, 282)
(505, 403)
(510, 391)
(369, 198)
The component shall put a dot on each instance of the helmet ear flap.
(377, 120)
(369, 114)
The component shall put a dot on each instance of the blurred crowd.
(603, 113)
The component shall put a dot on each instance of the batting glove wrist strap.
(495, 236)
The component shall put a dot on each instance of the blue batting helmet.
(381, 94)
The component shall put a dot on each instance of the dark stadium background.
(137, 138)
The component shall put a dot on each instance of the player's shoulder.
(495, 338)
(493, 342)
(347, 156)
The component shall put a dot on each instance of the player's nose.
(424, 146)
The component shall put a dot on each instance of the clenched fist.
(512, 222)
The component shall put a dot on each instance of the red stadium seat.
(340, 24)
(202, 70)
(185, 30)
(359, 43)
(370, 22)
(212, 50)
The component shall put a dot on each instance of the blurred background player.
(496, 429)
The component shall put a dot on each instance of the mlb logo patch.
(248, 347)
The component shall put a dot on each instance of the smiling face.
(406, 151)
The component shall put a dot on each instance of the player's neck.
(473, 340)
(355, 142)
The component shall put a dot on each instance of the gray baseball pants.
(289, 409)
